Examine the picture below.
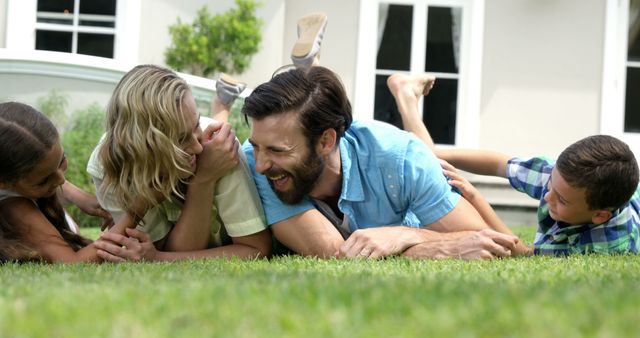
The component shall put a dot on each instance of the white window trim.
(468, 118)
(614, 74)
(22, 18)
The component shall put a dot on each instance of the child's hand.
(87, 203)
(522, 250)
(90, 206)
(117, 248)
(456, 180)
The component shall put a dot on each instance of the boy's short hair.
(604, 166)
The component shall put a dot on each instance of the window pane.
(443, 39)
(55, 41)
(394, 34)
(58, 12)
(634, 30)
(95, 44)
(385, 108)
(104, 7)
(58, 6)
(632, 106)
(439, 114)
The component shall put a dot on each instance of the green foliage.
(54, 106)
(291, 296)
(236, 119)
(85, 128)
(215, 43)
(240, 126)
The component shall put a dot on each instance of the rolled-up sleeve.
(238, 201)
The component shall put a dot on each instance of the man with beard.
(331, 186)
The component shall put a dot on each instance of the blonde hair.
(141, 153)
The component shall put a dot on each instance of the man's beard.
(303, 178)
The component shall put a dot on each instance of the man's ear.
(327, 142)
(600, 216)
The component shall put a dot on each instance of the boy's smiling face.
(568, 204)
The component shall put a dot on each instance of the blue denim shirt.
(389, 177)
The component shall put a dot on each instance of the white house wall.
(158, 15)
(3, 22)
(542, 74)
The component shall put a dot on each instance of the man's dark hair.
(604, 166)
(315, 94)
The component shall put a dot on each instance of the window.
(632, 99)
(620, 112)
(108, 28)
(76, 26)
(441, 40)
(418, 36)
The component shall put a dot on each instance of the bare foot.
(414, 85)
(407, 91)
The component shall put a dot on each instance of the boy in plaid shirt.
(589, 197)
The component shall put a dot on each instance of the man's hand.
(483, 244)
(486, 244)
(378, 242)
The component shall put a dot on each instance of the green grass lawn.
(592, 296)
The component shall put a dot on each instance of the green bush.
(84, 131)
(240, 126)
(215, 43)
(238, 122)
(54, 106)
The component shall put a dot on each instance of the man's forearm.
(227, 251)
(483, 244)
(436, 244)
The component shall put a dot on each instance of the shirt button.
(391, 186)
(394, 195)
(388, 176)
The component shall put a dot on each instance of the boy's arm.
(481, 162)
(482, 206)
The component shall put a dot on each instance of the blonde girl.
(191, 190)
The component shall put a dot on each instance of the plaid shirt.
(618, 235)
